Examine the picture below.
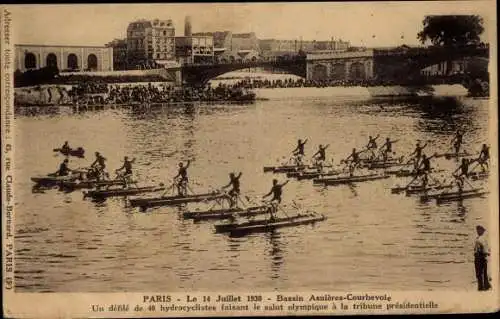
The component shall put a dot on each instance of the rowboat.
(123, 191)
(225, 213)
(78, 152)
(144, 203)
(79, 184)
(265, 225)
(52, 180)
(457, 195)
(349, 179)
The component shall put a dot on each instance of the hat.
(480, 228)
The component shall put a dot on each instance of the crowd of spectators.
(101, 93)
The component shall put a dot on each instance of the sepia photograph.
(265, 158)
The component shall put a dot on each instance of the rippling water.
(372, 239)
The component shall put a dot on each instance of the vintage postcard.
(236, 159)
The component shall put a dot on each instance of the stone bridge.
(202, 73)
(75, 58)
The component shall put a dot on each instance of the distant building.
(234, 47)
(222, 39)
(270, 47)
(150, 42)
(194, 49)
(64, 57)
(119, 47)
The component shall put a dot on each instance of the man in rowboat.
(182, 178)
(298, 152)
(63, 169)
(127, 174)
(484, 157)
(276, 191)
(234, 181)
(387, 148)
(320, 156)
(65, 148)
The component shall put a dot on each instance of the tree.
(452, 30)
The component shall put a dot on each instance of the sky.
(368, 24)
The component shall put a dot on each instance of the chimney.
(187, 27)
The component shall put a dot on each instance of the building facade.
(194, 49)
(150, 42)
(119, 47)
(64, 57)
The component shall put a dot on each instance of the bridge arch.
(338, 71)
(30, 60)
(357, 71)
(319, 72)
(92, 62)
(72, 61)
(201, 74)
(51, 60)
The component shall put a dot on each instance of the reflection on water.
(371, 240)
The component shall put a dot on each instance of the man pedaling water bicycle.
(127, 168)
(372, 145)
(457, 141)
(276, 191)
(234, 181)
(463, 168)
(320, 156)
(355, 162)
(99, 165)
(182, 179)
(386, 148)
(418, 154)
(484, 157)
(298, 152)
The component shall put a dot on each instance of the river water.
(371, 240)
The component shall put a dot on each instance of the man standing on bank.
(481, 253)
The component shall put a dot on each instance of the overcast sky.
(368, 24)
